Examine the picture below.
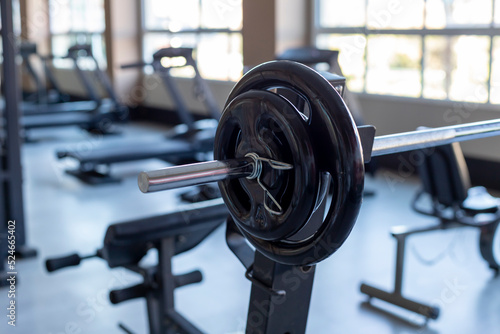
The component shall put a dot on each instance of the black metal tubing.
(207, 96)
(396, 297)
(488, 237)
(430, 312)
(3, 253)
(281, 293)
(84, 79)
(175, 94)
(164, 72)
(11, 170)
(52, 79)
(284, 312)
(105, 81)
(26, 51)
(102, 76)
(126, 243)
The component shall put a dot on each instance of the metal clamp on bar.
(210, 171)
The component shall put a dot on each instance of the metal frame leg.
(396, 297)
(400, 258)
(280, 297)
(11, 171)
(158, 288)
(281, 294)
(162, 316)
(487, 246)
(3, 268)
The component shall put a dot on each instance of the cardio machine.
(184, 143)
(93, 115)
(43, 94)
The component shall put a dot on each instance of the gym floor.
(65, 216)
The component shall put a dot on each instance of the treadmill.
(45, 100)
(93, 115)
(42, 94)
(185, 143)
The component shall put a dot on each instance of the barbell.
(277, 158)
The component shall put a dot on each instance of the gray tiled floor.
(64, 216)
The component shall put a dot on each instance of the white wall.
(150, 92)
(155, 94)
(70, 83)
(291, 24)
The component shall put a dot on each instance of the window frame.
(74, 34)
(196, 32)
(491, 31)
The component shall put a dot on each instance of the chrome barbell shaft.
(194, 174)
(413, 140)
(211, 171)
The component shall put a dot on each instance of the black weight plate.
(337, 151)
(262, 122)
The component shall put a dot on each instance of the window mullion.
(490, 69)
(422, 65)
(366, 46)
(423, 51)
(492, 25)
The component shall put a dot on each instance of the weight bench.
(455, 204)
(183, 144)
(125, 244)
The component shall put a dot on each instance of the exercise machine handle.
(133, 65)
(62, 262)
(66, 261)
(121, 295)
(193, 277)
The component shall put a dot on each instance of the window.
(211, 27)
(435, 49)
(77, 21)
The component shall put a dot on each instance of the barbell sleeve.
(413, 140)
(194, 174)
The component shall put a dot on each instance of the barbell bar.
(204, 172)
(420, 139)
